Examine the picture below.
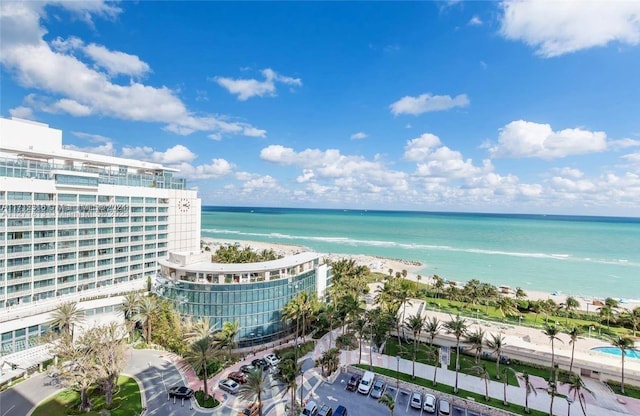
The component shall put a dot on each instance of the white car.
(272, 359)
(416, 400)
(229, 386)
(429, 405)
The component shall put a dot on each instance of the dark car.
(260, 363)
(181, 392)
(238, 376)
(352, 385)
(247, 368)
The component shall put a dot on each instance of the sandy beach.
(383, 265)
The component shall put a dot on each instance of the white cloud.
(359, 136)
(475, 21)
(555, 28)
(426, 103)
(105, 148)
(116, 62)
(418, 149)
(247, 88)
(78, 89)
(22, 112)
(216, 169)
(520, 139)
(172, 156)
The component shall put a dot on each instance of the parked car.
(238, 376)
(367, 381)
(353, 382)
(311, 409)
(341, 411)
(325, 411)
(416, 400)
(247, 368)
(272, 359)
(444, 408)
(252, 410)
(181, 392)
(429, 405)
(260, 363)
(378, 389)
(229, 386)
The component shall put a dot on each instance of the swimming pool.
(616, 351)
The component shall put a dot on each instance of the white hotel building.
(81, 227)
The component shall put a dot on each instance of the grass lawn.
(479, 398)
(126, 402)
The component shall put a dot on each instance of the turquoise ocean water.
(581, 256)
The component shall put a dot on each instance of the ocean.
(575, 255)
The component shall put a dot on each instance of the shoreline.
(382, 264)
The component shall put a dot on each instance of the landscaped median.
(464, 398)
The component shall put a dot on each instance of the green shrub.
(210, 403)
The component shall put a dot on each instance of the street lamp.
(569, 401)
(398, 372)
(301, 387)
(520, 320)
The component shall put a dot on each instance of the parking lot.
(358, 404)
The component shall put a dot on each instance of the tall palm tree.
(577, 388)
(66, 317)
(291, 312)
(438, 285)
(200, 353)
(505, 381)
(476, 341)
(330, 313)
(257, 384)
(289, 370)
(415, 323)
(359, 326)
(388, 401)
(632, 318)
(552, 331)
(458, 327)
(574, 333)
(607, 312)
(129, 308)
(625, 344)
(496, 344)
(528, 389)
(197, 329)
(147, 309)
(481, 371)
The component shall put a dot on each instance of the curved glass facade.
(257, 306)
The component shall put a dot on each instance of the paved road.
(19, 400)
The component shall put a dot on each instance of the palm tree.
(129, 308)
(289, 370)
(569, 305)
(200, 353)
(415, 323)
(505, 380)
(607, 312)
(330, 312)
(624, 343)
(257, 384)
(577, 389)
(226, 338)
(291, 312)
(438, 285)
(632, 318)
(458, 327)
(552, 331)
(197, 329)
(432, 327)
(476, 340)
(66, 317)
(574, 333)
(506, 306)
(388, 401)
(147, 309)
(520, 294)
(359, 326)
(497, 344)
(481, 371)
(529, 388)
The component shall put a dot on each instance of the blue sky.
(512, 106)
